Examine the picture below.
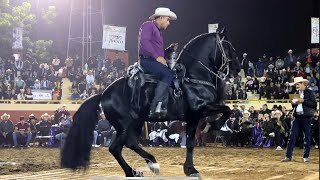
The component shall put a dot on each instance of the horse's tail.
(76, 151)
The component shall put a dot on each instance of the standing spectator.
(45, 84)
(6, 130)
(56, 65)
(29, 94)
(290, 59)
(304, 109)
(18, 66)
(259, 68)
(279, 63)
(69, 63)
(244, 63)
(19, 83)
(265, 109)
(64, 112)
(82, 86)
(90, 80)
(315, 129)
(22, 131)
(236, 112)
(33, 126)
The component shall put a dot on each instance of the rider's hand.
(162, 61)
(174, 46)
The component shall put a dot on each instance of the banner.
(315, 31)
(17, 39)
(212, 28)
(38, 94)
(114, 38)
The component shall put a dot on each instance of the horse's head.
(224, 59)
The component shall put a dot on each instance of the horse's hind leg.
(132, 143)
(116, 148)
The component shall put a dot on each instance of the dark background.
(254, 26)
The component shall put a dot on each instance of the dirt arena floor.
(212, 162)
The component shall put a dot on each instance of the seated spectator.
(65, 124)
(21, 95)
(23, 133)
(314, 88)
(84, 95)
(280, 129)
(253, 114)
(265, 109)
(82, 86)
(6, 130)
(107, 133)
(56, 94)
(237, 113)
(246, 126)
(37, 84)
(75, 95)
(268, 127)
(45, 84)
(29, 94)
(44, 128)
(33, 126)
(231, 132)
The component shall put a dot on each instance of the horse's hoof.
(195, 175)
(154, 167)
(138, 174)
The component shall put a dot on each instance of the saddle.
(137, 77)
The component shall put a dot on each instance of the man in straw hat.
(303, 111)
(6, 130)
(280, 128)
(152, 57)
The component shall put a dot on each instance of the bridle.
(224, 70)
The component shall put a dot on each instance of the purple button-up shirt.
(150, 40)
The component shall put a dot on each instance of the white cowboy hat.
(5, 114)
(45, 114)
(298, 62)
(245, 54)
(246, 112)
(162, 11)
(276, 112)
(298, 80)
(290, 51)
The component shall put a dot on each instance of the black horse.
(208, 59)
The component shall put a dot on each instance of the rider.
(152, 57)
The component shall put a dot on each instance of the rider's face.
(163, 22)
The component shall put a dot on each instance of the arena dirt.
(212, 162)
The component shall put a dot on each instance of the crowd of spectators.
(270, 78)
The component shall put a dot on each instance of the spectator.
(18, 64)
(279, 63)
(246, 126)
(237, 113)
(65, 124)
(37, 84)
(21, 95)
(106, 132)
(280, 128)
(290, 59)
(6, 130)
(33, 126)
(84, 95)
(56, 65)
(45, 84)
(90, 80)
(75, 95)
(22, 132)
(44, 128)
(28, 94)
(19, 83)
(265, 110)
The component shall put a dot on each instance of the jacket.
(309, 105)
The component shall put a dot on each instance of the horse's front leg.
(188, 166)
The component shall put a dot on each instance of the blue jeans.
(157, 69)
(304, 124)
(16, 135)
(95, 136)
(61, 137)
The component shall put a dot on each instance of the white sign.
(212, 28)
(315, 31)
(114, 38)
(17, 38)
(41, 94)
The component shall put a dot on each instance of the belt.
(144, 56)
(299, 113)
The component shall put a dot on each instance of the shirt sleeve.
(145, 40)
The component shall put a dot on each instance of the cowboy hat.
(290, 51)
(45, 114)
(246, 112)
(162, 11)
(5, 114)
(298, 80)
(276, 112)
